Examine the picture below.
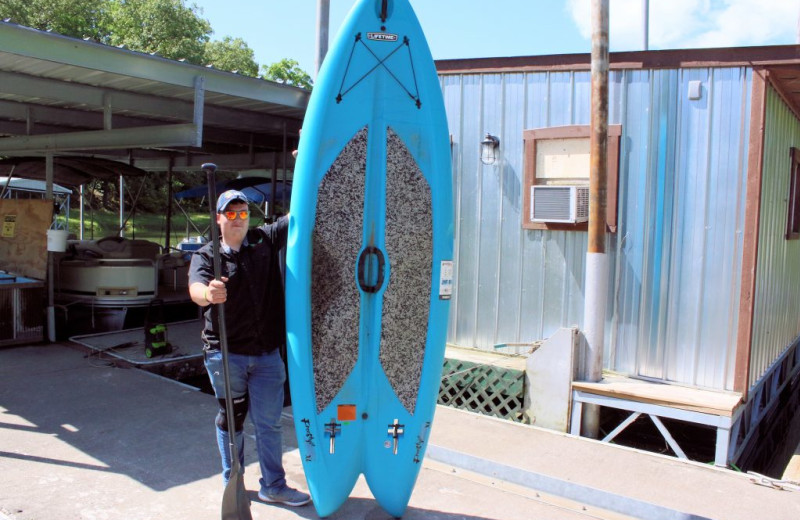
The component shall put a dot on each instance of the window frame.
(793, 210)
(531, 137)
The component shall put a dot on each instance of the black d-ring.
(363, 275)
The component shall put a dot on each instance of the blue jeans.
(262, 378)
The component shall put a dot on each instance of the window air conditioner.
(560, 204)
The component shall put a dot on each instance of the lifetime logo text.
(381, 37)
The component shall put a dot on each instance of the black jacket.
(255, 315)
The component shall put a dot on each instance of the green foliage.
(232, 54)
(146, 218)
(144, 226)
(170, 28)
(287, 71)
(147, 194)
(166, 27)
(76, 18)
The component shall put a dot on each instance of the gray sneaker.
(286, 496)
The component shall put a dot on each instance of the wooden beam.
(755, 166)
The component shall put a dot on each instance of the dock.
(82, 437)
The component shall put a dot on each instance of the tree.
(287, 71)
(75, 18)
(166, 27)
(170, 28)
(232, 54)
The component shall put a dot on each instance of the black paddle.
(235, 504)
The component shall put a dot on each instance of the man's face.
(233, 230)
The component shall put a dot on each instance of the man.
(251, 288)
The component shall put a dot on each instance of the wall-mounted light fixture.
(489, 147)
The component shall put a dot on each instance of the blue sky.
(277, 29)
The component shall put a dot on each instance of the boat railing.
(118, 271)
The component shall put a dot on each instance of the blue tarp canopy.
(256, 189)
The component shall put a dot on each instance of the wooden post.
(596, 289)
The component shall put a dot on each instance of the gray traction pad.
(409, 247)
(335, 299)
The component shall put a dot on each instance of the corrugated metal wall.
(676, 257)
(776, 320)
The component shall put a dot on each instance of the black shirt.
(255, 316)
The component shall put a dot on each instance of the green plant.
(145, 226)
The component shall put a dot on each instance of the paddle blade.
(235, 504)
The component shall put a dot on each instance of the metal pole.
(323, 21)
(168, 227)
(49, 176)
(285, 174)
(51, 310)
(273, 187)
(645, 23)
(83, 201)
(594, 310)
(121, 206)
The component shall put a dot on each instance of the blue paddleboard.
(369, 264)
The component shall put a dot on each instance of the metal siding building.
(512, 285)
(777, 308)
(677, 255)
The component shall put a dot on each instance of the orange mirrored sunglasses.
(231, 215)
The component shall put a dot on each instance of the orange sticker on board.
(346, 412)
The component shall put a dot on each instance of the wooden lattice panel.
(485, 389)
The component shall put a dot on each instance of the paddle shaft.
(240, 508)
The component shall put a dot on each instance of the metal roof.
(67, 96)
(779, 63)
(31, 185)
(69, 170)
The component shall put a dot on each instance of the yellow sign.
(9, 226)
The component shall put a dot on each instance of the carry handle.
(363, 273)
(384, 10)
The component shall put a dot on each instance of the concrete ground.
(83, 439)
(792, 471)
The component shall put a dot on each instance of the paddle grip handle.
(363, 269)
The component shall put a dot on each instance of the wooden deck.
(674, 396)
(482, 357)
(659, 400)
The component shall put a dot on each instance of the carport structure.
(62, 97)
(74, 110)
